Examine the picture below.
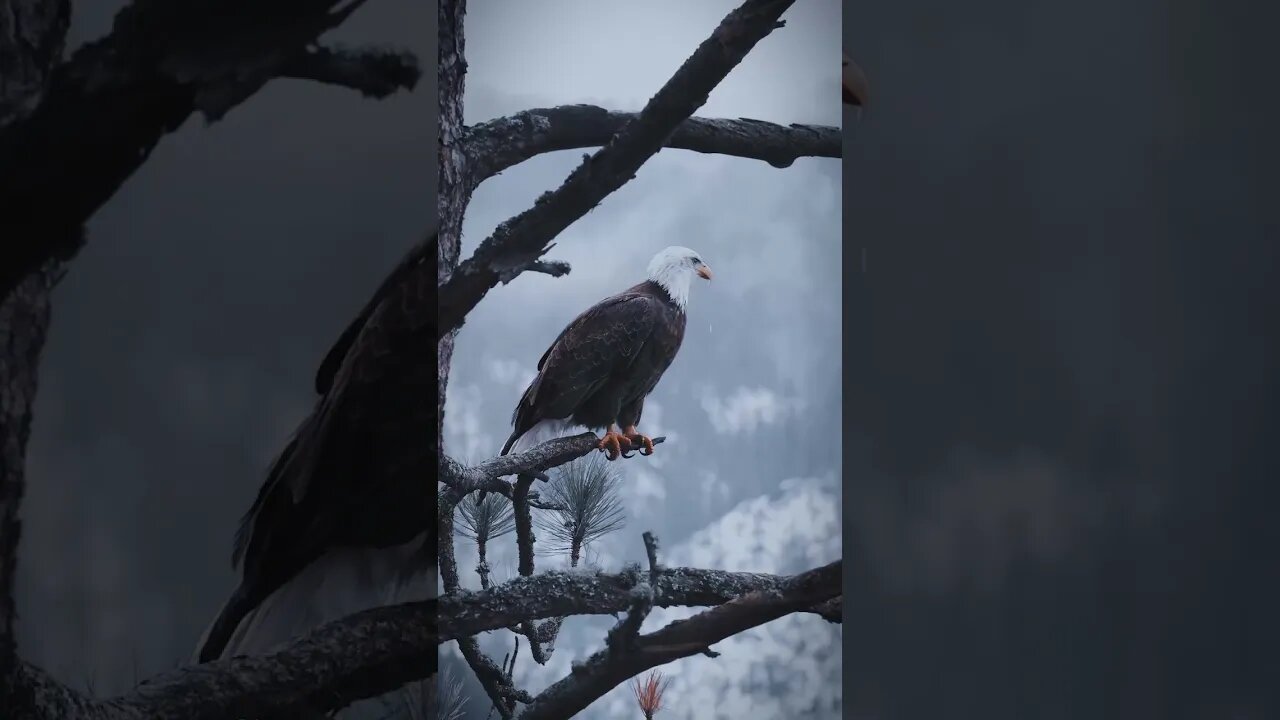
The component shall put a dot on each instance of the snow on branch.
(523, 239)
(106, 107)
(498, 144)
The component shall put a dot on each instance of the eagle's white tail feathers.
(339, 583)
(543, 431)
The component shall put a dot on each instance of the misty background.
(749, 479)
(184, 342)
(1061, 406)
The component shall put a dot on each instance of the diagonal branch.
(605, 670)
(524, 238)
(104, 110)
(498, 144)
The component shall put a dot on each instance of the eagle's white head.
(674, 268)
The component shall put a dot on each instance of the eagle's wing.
(333, 359)
(352, 474)
(596, 346)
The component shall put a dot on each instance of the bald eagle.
(602, 366)
(342, 522)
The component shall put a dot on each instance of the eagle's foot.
(636, 439)
(613, 444)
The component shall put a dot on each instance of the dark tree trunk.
(454, 190)
(32, 36)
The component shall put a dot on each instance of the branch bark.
(376, 651)
(362, 656)
(102, 112)
(524, 238)
(535, 461)
(606, 669)
(564, 593)
(496, 145)
(32, 36)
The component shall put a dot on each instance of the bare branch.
(524, 238)
(605, 670)
(554, 268)
(547, 632)
(104, 110)
(498, 144)
(831, 610)
(524, 523)
(375, 73)
(361, 656)
(535, 461)
(575, 592)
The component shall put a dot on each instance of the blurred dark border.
(1061, 401)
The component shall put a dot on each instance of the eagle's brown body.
(603, 365)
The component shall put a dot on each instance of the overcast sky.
(750, 477)
(183, 346)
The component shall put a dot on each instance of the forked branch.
(606, 670)
(523, 239)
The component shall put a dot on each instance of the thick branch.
(524, 238)
(501, 143)
(575, 592)
(682, 638)
(365, 655)
(104, 110)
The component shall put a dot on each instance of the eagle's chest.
(655, 356)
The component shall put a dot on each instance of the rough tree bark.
(32, 35)
(103, 110)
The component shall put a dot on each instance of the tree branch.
(361, 656)
(375, 73)
(577, 592)
(498, 144)
(376, 651)
(605, 670)
(535, 461)
(524, 238)
(103, 111)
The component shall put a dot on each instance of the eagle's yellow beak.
(704, 272)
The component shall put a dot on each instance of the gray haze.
(184, 342)
(750, 478)
(1061, 405)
